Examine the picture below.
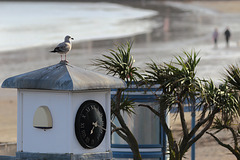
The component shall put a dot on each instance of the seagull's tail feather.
(53, 51)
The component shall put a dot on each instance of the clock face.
(90, 124)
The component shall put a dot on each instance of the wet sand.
(159, 45)
(221, 6)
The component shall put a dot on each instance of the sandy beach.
(221, 6)
(161, 47)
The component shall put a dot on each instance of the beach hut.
(144, 125)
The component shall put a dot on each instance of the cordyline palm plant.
(181, 87)
(229, 118)
(120, 63)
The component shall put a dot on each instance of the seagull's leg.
(66, 58)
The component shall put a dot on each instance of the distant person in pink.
(215, 37)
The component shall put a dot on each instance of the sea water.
(30, 24)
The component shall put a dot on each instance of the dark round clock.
(90, 124)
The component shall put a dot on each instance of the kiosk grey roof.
(63, 76)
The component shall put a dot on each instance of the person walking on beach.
(227, 36)
(215, 37)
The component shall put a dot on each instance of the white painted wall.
(63, 106)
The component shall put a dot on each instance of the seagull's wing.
(63, 47)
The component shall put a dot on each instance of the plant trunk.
(173, 147)
(132, 142)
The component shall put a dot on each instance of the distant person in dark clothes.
(227, 36)
(215, 37)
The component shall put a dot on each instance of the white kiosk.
(63, 113)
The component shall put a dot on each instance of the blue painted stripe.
(186, 109)
(142, 90)
(143, 154)
(129, 154)
(140, 146)
(141, 98)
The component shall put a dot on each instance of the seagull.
(64, 47)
